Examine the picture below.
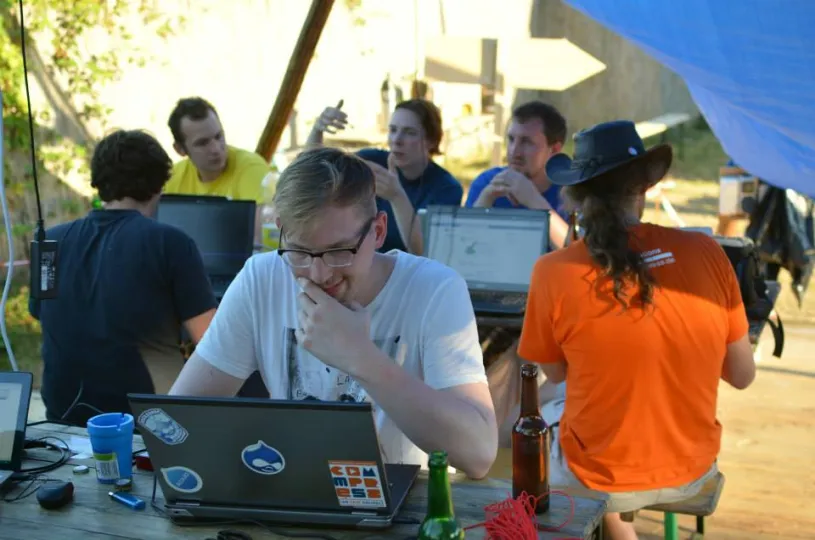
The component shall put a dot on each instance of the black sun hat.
(605, 147)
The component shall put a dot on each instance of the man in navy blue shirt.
(407, 177)
(126, 283)
(537, 132)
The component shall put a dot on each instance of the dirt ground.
(768, 451)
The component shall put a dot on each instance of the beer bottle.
(440, 522)
(531, 440)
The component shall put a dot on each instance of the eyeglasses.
(335, 258)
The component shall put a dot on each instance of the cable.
(40, 222)
(10, 237)
(76, 404)
(43, 269)
(35, 482)
(32, 472)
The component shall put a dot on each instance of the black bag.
(785, 238)
(758, 300)
(745, 259)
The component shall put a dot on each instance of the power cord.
(34, 475)
(34, 483)
(43, 442)
(43, 259)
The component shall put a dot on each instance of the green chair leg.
(671, 526)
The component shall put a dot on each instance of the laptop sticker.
(160, 424)
(357, 484)
(263, 459)
(182, 479)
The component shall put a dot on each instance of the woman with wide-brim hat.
(641, 322)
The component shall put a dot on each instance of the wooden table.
(94, 516)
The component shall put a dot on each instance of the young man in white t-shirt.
(328, 317)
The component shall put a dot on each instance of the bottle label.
(107, 467)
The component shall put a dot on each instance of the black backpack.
(759, 295)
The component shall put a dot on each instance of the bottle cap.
(81, 469)
(124, 484)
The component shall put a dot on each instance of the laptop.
(493, 249)
(222, 229)
(309, 463)
(15, 396)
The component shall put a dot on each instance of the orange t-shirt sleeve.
(538, 343)
(736, 313)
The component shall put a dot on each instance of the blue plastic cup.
(111, 437)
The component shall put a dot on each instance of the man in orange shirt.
(641, 322)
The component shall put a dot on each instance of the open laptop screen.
(492, 248)
(222, 229)
(15, 393)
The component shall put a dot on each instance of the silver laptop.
(494, 250)
(15, 396)
(289, 462)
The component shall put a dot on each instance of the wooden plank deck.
(768, 452)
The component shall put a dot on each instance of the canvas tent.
(749, 65)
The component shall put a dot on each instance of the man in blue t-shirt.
(407, 177)
(126, 287)
(537, 132)
(435, 186)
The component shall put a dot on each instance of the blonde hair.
(322, 177)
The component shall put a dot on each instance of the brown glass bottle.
(531, 440)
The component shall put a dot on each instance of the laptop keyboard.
(494, 299)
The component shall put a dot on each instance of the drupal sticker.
(160, 424)
(263, 459)
(182, 479)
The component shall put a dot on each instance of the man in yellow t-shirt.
(212, 167)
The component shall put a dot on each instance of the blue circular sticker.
(263, 459)
(182, 479)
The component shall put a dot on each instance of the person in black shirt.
(126, 285)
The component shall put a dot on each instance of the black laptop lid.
(222, 229)
(262, 453)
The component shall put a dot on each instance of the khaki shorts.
(623, 501)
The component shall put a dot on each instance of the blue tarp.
(749, 65)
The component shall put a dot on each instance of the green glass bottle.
(440, 522)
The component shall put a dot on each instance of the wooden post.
(293, 79)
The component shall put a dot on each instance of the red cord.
(514, 519)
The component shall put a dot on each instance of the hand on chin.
(335, 333)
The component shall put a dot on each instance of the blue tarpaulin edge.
(749, 66)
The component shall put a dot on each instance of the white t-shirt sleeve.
(229, 342)
(451, 352)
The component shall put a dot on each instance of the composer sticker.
(357, 484)
(182, 479)
(160, 424)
